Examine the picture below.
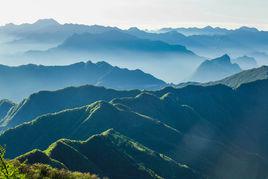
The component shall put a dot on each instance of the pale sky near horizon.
(149, 14)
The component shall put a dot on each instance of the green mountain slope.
(37, 156)
(212, 129)
(243, 77)
(82, 122)
(115, 154)
(169, 110)
(40, 103)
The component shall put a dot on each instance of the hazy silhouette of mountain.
(260, 56)
(21, 81)
(46, 22)
(248, 29)
(197, 31)
(211, 42)
(153, 56)
(245, 62)
(236, 42)
(49, 30)
(215, 69)
(207, 41)
(171, 37)
(116, 40)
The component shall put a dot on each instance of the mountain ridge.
(5, 107)
(39, 103)
(33, 78)
(246, 76)
(114, 143)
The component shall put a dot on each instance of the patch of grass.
(38, 171)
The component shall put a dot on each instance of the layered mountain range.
(123, 49)
(220, 39)
(187, 125)
(48, 42)
(92, 117)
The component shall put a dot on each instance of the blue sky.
(149, 14)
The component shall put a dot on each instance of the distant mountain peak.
(215, 69)
(226, 56)
(223, 59)
(208, 27)
(10, 25)
(134, 29)
(249, 29)
(46, 22)
(103, 64)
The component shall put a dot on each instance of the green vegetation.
(37, 171)
(37, 156)
(40, 103)
(167, 109)
(17, 170)
(7, 169)
(80, 123)
(123, 158)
